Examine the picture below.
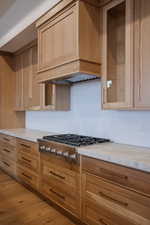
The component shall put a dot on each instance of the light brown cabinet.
(142, 54)
(112, 193)
(30, 95)
(60, 182)
(126, 48)
(117, 65)
(68, 40)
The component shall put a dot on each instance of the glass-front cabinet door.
(117, 66)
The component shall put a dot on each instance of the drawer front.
(125, 200)
(28, 161)
(94, 214)
(27, 147)
(62, 196)
(130, 178)
(8, 139)
(8, 150)
(27, 177)
(58, 174)
(8, 165)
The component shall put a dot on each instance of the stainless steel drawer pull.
(112, 199)
(6, 150)
(26, 146)
(27, 176)
(59, 195)
(6, 163)
(102, 222)
(110, 173)
(57, 175)
(27, 160)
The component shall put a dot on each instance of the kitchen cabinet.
(117, 54)
(28, 160)
(126, 48)
(30, 94)
(68, 40)
(8, 154)
(60, 182)
(142, 54)
(112, 193)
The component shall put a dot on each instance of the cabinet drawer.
(27, 147)
(28, 161)
(130, 178)
(116, 196)
(8, 165)
(99, 215)
(8, 139)
(27, 177)
(62, 196)
(55, 174)
(8, 150)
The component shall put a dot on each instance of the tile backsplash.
(86, 117)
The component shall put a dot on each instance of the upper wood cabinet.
(68, 40)
(30, 95)
(117, 65)
(126, 53)
(142, 54)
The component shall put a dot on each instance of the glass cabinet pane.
(116, 53)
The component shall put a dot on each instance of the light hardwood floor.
(19, 206)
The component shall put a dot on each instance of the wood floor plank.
(19, 206)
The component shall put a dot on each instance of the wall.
(86, 117)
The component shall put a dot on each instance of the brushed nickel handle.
(57, 175)
(110, 173)
(56, 193)
(26, 146)
(125, 204)
(27, 176)
(27, 160)
(103, 222)
(6, 163)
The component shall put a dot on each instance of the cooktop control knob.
(66, 154)
(48, 149)
(59, 152)
(42, 147)
(73, 156)
(53, 150)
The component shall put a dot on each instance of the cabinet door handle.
(27, 160)
(125, 204)
(6, 163)
(26, 146)
(110, 173)
(103, 222)
(6, 150)
(57, 175)
(56, 193)
(30, 178)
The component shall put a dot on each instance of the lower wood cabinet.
(28, 163)
(105, 202)
(60, 182)
(8, 154)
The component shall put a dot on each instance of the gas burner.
(75, 140)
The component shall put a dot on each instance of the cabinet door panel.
(142, 54)
(57, 40)
(117, 68)
(19, 83)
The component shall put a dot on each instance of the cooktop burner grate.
(75, 140)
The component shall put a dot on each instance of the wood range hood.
(69, 42)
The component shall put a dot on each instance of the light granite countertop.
(26, 134)
(126, 155)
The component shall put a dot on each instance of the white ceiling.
(16, 16)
